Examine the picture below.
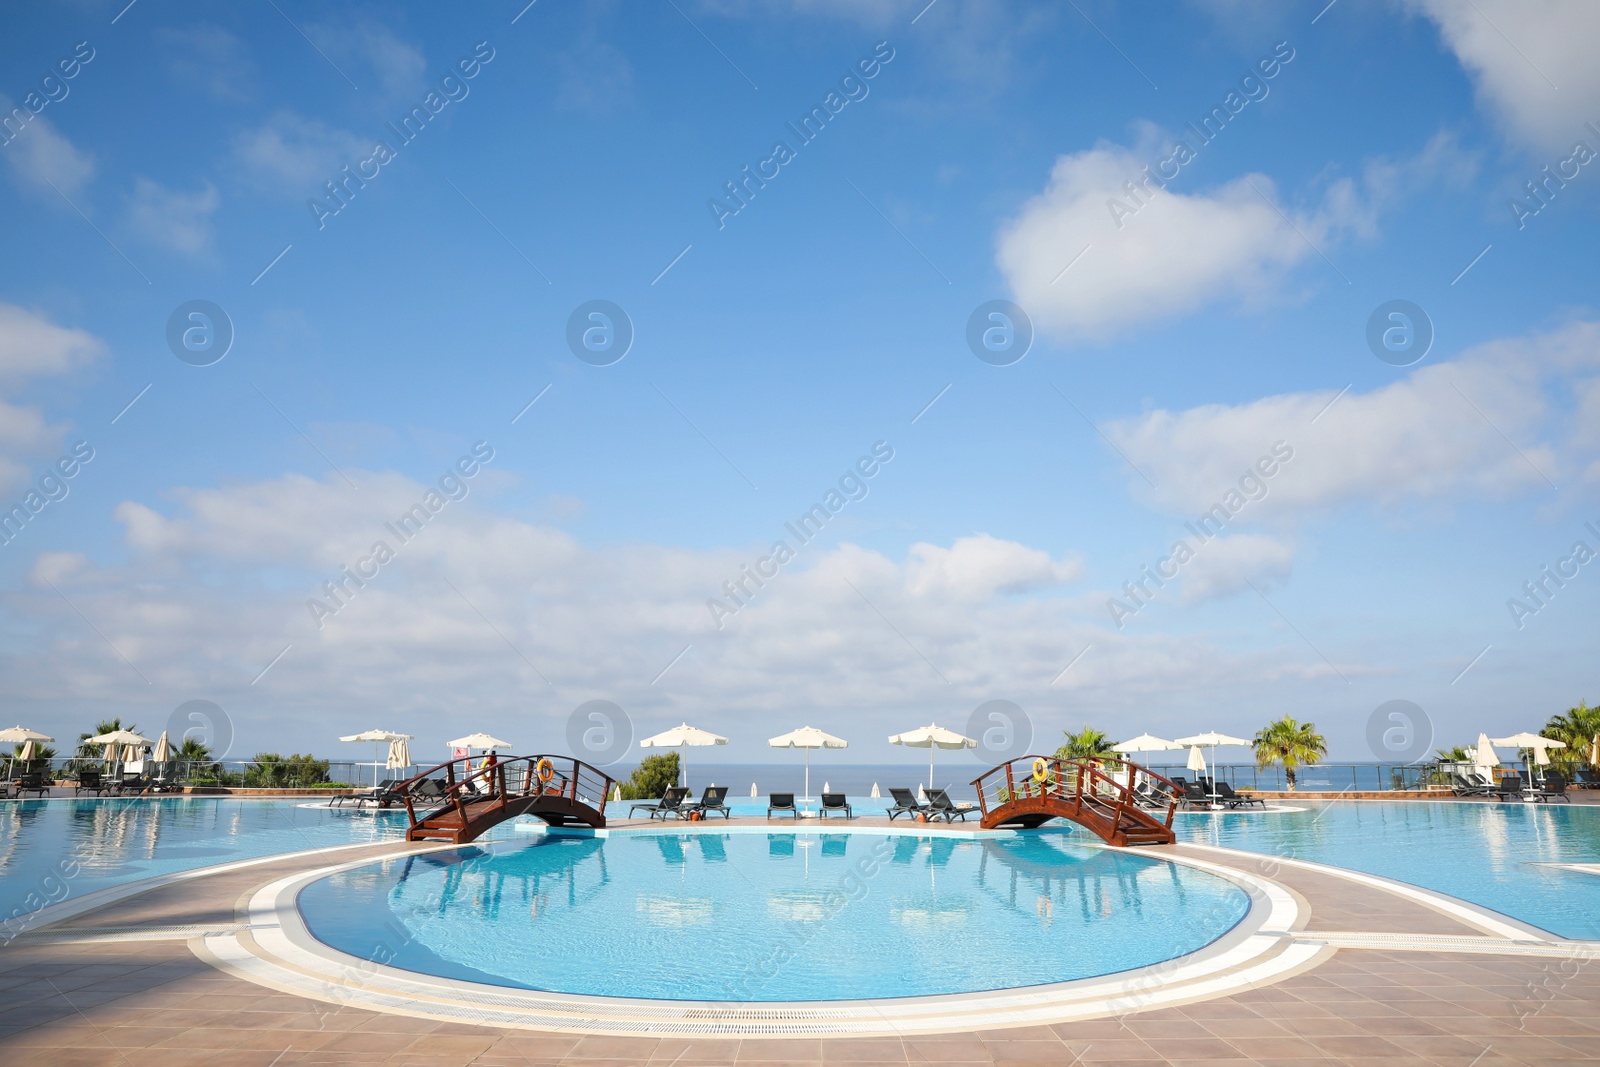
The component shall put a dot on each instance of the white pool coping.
(276, 949)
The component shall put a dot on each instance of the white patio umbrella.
(115, 738)
(478, 740)
(1594, 751)
(1539, 746)
(1211, 739)
(163, 749)
(681, 737)
(808, 738)
(23, 736)
(1146, 743)
(377, 737)
(932, 737)
(1143, 743)
(1197, 760)
(874, 790)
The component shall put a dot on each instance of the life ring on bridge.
(547, 770)
(1041, 771)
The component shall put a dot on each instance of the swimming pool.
(1502, 856)
(758, 916)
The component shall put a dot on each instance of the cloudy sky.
(799, 362)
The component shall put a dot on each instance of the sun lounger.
(905, 803)
(382, 794)
(1514, 786)
(1554, 788)
(89, 782)
(782, 803)
(669, 804)
(712, 801)
(32, 783)
(1463, 786)
(1196, 795)
(835, 803)
(1587, 778)
(1226, 793)
(940, 806)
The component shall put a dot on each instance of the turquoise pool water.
(768, 917)
(1493, 855)
(1496, 855)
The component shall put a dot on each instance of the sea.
(853, 779)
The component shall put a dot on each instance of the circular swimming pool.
(771, 917)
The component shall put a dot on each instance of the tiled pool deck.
(1420, 985)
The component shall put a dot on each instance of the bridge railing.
(1076, 780)
(511, 778)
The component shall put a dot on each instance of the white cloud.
(1434, 433)
(209, 56)
(41, 156)
(175, 220)
(1531, 62)
(363, 46)
(1229, 563)
(294, 155)
(935, 629)
(981, 567)
(31, 346)
(1155, 253)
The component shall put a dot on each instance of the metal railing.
(1324, 777)
(234, 774)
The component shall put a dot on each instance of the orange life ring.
(547, 770)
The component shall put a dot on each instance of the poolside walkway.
(1400, 978)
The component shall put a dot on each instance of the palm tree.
(1291, 744)
(1458, 754)
(1088, 743)
(1577, 727)
(195, 756)
(90, 755)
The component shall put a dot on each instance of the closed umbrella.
(1197, 760)
(29, 748)
(377, 737)
(1594, 751)
(1484, 759)
(808, 738)
(931, 737)
(399, 754)
(163, 750)
(681, 737)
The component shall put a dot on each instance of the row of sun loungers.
(1512, 787)
(938, 806)
(677, 805)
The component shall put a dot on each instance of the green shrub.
(651, 778)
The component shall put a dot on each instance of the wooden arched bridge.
(453, 802)
(1096, 795)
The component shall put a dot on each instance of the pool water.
(771, 917)
(1496, 855)
(54, 850)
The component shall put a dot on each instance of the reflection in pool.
(783, 916)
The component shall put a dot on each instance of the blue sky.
(1221, 317)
